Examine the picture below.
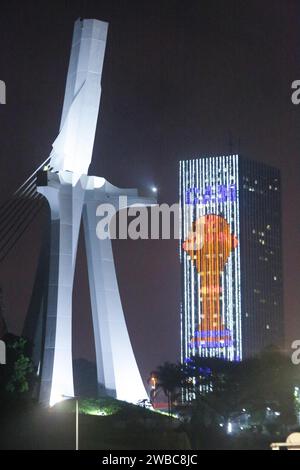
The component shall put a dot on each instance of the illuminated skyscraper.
(230, 253)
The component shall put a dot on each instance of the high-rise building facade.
(230, 253)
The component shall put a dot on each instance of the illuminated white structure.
(73, 147)
(72, 194)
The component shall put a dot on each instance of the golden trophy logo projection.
(209, 244)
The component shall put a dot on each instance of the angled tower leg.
(117, 368)
(65, 201)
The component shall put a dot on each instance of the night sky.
(181, 79)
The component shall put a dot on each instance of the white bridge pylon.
(73, 195)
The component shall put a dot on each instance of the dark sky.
(179, 78)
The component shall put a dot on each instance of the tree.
(214, 388)
(222, 389)
(269, 380)
(17, 375)
(169, 379)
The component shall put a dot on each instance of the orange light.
(209, 245)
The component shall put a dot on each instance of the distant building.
(231, 257)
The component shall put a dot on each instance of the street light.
(155, 191)
(76, 418)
